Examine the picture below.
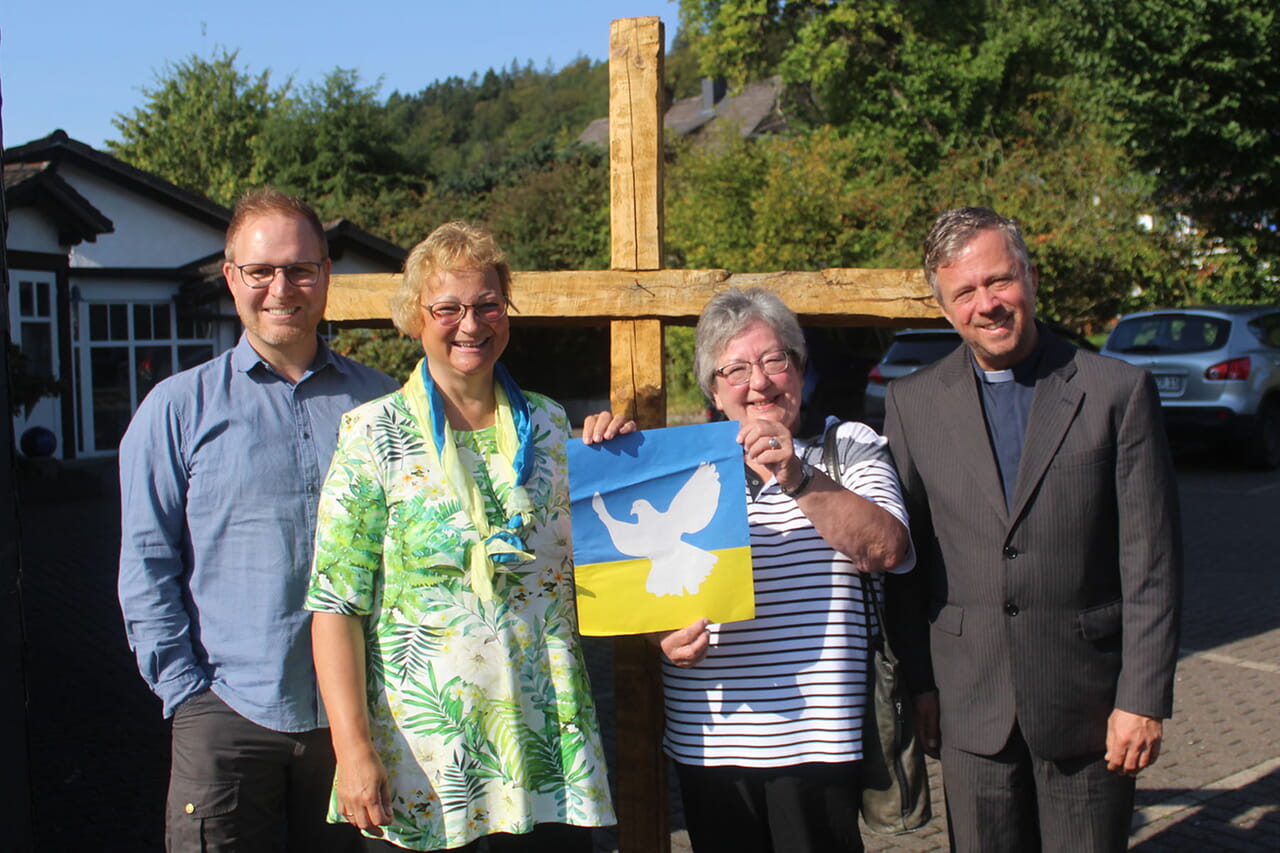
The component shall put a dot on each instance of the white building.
(114, 283)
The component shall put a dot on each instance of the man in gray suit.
(1041, 629)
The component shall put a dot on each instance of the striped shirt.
(789, 686)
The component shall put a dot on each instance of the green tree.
(470, 133)
(557, 217)
(821, 199)
(685, 400)
(1193, 89)
(1086, 118)
(929, 75)
(331, 144)
(197, 124)
(384, 349)
(1085, 207)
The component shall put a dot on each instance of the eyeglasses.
(738, 373)
(299, 273)
(450, 313)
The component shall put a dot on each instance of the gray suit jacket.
(1055, 611)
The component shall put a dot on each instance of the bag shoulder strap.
(831, 458)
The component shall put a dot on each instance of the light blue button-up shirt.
(220, 474)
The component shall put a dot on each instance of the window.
(35, 332)
(1170, 333)
(1267, 329)
(131, 347)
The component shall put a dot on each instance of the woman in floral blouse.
(445, 634)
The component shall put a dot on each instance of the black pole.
(15, 770)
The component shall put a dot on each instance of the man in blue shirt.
(220, 472)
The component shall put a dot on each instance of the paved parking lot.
(100, 749)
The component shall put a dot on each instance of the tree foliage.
(1084, 119)
(198, 122)
(822, 199)
(331, 144)
(460, 132)
(383, 349)
(1193, 88)
(1137, 143)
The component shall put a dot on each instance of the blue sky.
(76, 65)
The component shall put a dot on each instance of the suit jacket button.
(1010, 552)
(1010, 608)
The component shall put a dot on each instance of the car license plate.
(1167, 384)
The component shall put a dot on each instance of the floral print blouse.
(480, 709)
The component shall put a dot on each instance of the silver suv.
(1217, 370)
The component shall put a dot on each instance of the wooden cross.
(635, 297)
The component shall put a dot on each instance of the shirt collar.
(244, 358)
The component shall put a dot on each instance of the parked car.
(1217, 370)
(910, 350)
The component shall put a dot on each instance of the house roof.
(58, 148)
(343, 233)
(753, 110)
(203, 276)
(30, 171)
(37, 184)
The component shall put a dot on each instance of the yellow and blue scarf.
(503, 545)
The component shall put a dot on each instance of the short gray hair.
(728, 314)
(956, 228)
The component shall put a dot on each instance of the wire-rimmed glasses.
(450, 312)
(298, 273)
(738, 373)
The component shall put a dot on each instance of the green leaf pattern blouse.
(480, 710)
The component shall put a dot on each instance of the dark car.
(1217, 370)
(910, 350)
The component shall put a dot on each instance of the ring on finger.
(773, 443)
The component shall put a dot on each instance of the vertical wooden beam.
(636, 385)
(635, 143)
(635, 218)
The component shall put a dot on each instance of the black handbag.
(895, 782)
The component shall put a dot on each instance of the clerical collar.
(1024, 372)
(997, 377)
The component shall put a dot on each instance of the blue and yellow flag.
(660, 534)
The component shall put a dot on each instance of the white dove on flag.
(678, 567)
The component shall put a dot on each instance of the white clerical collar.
(995, 377)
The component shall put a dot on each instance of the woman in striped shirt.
(765, 718)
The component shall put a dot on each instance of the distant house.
(753, 111)
(115, 283)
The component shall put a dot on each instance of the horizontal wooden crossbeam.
(833, 297)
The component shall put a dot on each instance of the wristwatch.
(806, 476)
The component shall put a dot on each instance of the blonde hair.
(452, 246)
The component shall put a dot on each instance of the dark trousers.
(545, 838)
(1017, 802)
(236, 786)
(805, 808)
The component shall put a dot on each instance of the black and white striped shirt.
(789, 686)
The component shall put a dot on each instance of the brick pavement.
(100, 750)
